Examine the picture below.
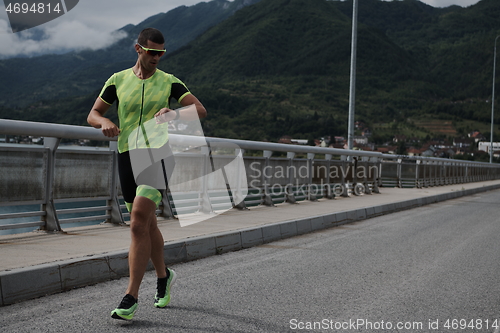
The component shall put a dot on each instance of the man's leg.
(146, 239)
(166, 277)
(148, 243)
(142, 220)
(142, 216)
(157, 244)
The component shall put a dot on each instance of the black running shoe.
(162, 297)
(126, 309)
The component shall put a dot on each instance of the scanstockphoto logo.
(27, 14)
(212, 174)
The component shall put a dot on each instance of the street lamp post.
(352, 89)
(493, 99)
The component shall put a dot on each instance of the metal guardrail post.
(443, 178)
(459, 172)
(381, 165)
(455, 172)
(344, 161)
(451, 173)
(432, 173)
(166, 207)
(417, 174)
(206, 206)
(366, 182)
(357, 187)
(329, 191)
(377, 177)
(116, 216)
(425, 182)
(166, 210)
(439, 173)
(289, 193)
(238, 195)
(51, 220)
(267, 199)
(310, 162)
(442, 174)
(445, 174)
(434, 178)
(354, 170)
(398, 173)
(463, 173)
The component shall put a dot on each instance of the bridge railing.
(79, 184)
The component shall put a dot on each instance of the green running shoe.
(162, 297)
(126, 309)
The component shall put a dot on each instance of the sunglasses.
(153, 52)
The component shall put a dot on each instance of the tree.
(401, 150)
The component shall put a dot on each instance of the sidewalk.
(36, 264)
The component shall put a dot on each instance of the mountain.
(281, 67)
(451, 44)
(79, 73)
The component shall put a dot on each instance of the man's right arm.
(97, 120)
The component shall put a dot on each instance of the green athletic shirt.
(138, 101)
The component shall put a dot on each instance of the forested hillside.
(281, 67)
(52, 77)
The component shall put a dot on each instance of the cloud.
(61, 37)
(76, 35)
(447, 3)
(92, 24)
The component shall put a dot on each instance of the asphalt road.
(430, 269)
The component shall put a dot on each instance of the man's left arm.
(194, 113)
(191, 99)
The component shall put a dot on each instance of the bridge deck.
(38, 263)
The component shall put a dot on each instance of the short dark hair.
(151, 34)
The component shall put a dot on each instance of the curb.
(36, 281)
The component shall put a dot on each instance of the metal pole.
(493, 99)
(352, 91)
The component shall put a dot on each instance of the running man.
(142, 92)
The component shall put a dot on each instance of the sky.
(93, 24)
